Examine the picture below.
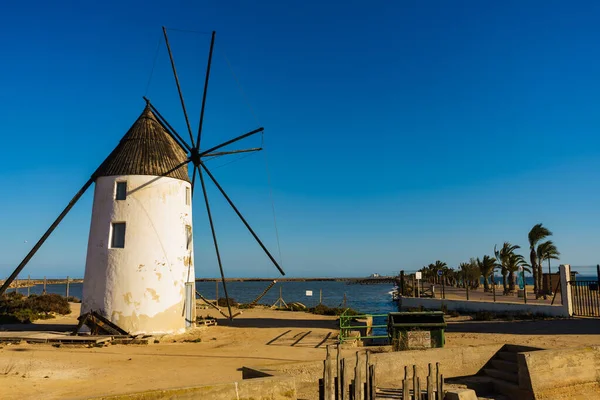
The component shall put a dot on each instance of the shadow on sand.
(37, 327)
(575, 326)
(279, 323)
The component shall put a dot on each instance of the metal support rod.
(210, 53)
(241, 217)
(170, 130)
(45, 235)
(187, 121)
(245, 135)
(214, 235)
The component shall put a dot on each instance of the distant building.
(375, 275)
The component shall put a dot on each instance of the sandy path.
(258, 337)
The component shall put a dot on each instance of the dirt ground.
(257, 337)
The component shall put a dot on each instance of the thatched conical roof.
(146, 149)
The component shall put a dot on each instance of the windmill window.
(187, 196)
(188, 237)
(121, 191)
(118, 235)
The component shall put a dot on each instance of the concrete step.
(506, 355)
(510, 377)
(504, 365)
(511, 390)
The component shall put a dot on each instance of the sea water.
(371, 299)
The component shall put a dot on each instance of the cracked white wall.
(140, 287)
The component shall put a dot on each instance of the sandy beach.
(258, 337)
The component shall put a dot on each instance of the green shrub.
(322, 309)
(222, 302)
(15, 307)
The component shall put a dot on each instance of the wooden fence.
(342, 381)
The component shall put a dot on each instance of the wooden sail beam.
(239, 214)
(187, 120)
(245, 135)
(224, 153)
(45, 236)
(212, 45)
(167, 127)
(214, 236)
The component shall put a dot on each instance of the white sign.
(418, 275)
(309, 292)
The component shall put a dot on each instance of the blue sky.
(396, 133)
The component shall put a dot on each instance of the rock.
(460, 394)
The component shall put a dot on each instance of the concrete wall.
(140, 287)
(454, 362)
(548, 372)
(474, 306)
(280, 388)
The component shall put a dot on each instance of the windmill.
(152, 149)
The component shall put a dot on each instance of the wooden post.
(467, 286)
(405, 389)
(430, 383)
(373, 382)
(17, 285)
(442, 395)
(337, 372)
(44, 291)
(28, 284)
(328, 378)
(342, 379)
(367, 376)
(418, 391)
(67, 296)
(217, 293)
(320, 296)
(438, 381)
(415, 379)
(344, 299)
(358, 385)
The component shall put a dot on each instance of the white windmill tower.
(139, 269)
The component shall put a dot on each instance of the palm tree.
(486, 267)
(536, 234)
(547, 251)
(502, 256)
(469, 273)
(512, 263)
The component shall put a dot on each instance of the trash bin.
(416, 330)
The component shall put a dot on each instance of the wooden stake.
(28, 284)
(415, 379)
(367, 377)
(438, 380)
(342, 379)
(373, 383)
(405, 389)
(418, 391)
(44, 291)
(429, 388)
(358, 386)
(67, 296)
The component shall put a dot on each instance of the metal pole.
(45, 236)
(402, 282)
(524, 287)
(320, 296)
(45, 282)
(67, 296)
(494, 286)
(28, 284)
(467, 286)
